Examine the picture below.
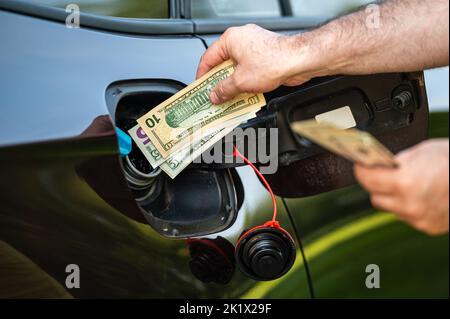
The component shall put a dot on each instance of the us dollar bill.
(352, 144)
(170, 124)
(182, 158)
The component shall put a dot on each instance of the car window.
(152, 9)
(235, 8)
(325, 8)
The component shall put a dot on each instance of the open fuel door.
(392, 107)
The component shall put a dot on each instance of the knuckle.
(229, 31)
(375, 202)
(202, 58)
(423, 226)
(251, 26)
(434, 231)
(414, 210)
(360, 176)
(430, 231)
(242, 83)
(237, 80)
(401, 185)
(220, 90)
(361, 173)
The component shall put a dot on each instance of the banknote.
(170, 124)
(146, 146)
(352, 144)
(183, 157)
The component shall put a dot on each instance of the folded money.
(352, 144)
(179, 160)
(170, 125)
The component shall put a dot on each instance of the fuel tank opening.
(200, 200)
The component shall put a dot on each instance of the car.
(77, 220)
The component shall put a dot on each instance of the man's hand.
(418, 191)
(264, 61)
(348, 45)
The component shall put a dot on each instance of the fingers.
(225, 90)
(214, 55)
(385, 202)
(395, 205)
(376, 179)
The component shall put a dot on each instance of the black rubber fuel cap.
(212, 260)
(265, 254)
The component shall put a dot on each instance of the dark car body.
(65, 198)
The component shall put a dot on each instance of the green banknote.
(170, 125)
(178, 161)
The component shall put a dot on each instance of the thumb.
(225, 90)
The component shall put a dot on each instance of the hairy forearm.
(411, 35)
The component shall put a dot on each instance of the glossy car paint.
(65, 200)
